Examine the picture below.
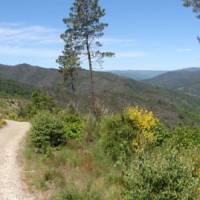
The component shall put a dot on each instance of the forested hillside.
(113, 92)
(30, 75)
(186, 81)
(14, 88)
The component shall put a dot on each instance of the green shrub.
(72, 126)
(134, 131)
(116, 138)
(185, 136)
(39, 102)
(47, 132)
(161, 176)
(162, 134)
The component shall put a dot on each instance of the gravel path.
(11, 186)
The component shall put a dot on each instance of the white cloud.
(14, 33)
(28, 52)
(29, 42)
(183, 50)
(43, 43)
(28, 35)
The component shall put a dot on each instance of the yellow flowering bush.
(145, 122)
(129, 132)
(142, 118)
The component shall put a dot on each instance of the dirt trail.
(11, 186)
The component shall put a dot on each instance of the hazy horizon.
(104, 70)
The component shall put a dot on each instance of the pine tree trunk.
(72, 84)
(93, 99)
(74, 103)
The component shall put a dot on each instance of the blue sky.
(157, 35)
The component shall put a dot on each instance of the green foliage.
(69, 61)
(194, 4)
(84, 28)
(47, 132)
(150, 161)
(185, 137)
(162, 134)
(161, 176)
(84, 25)
(13, 88)
(73, 127)
(171, 107)
(39, 102)
(131, 132)
(116, 135)
(9, 107)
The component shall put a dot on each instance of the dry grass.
(2, 123)
(8, 107)
(81, 167)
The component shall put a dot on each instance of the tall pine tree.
(69, 61)
(85, 27)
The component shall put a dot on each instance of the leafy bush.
(39, 102)
(133, 131)
(161, 176)
(116, 138)
(145, 123)
(153, 162)
(185, 136)
(47, 131)
(72, 126)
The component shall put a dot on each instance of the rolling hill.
(138, 74)
(113, 92)
(30, 75)
(186, 81)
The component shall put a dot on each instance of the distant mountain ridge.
(113, 92)
(138, 74)
(31, 75)
(186, 81)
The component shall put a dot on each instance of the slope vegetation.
(31, 75)
(113, 92)
(13, 95)
(186, 81)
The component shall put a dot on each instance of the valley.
(113, 92)
(185, 81)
